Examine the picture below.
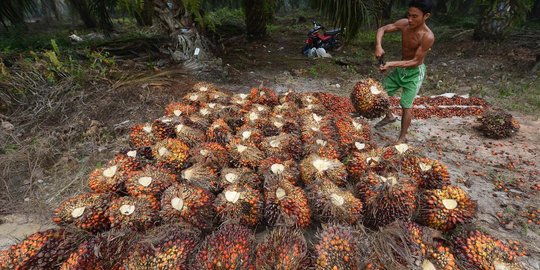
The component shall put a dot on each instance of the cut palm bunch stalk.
(241, 100)
(352, 132)
(272, 168)
(284, 146)
(41, 250)
(141, 155)
(232, 115)
(285, 124)
(112, 177)
(333, 204)
(188, 203)
(290, 96)
(255, 121)
(248, 134)
(369, 99)
(439, 257)
(314, 168)
(498, 124)
(398, 154)
(142, 135)
(443, 209)
(286, 205)
(201, 175)
(202, 118)
(241, 204)
(286, 110)
(239, 176)
(387, 198)
(151, 180)
(111, 247)
(337, 248)
(210, 154)
(192, 136)
(335, 104)
(219, 132)
(164, 127)
(86, 211)
(179, 109)
(428, 173)
(319, 145)
(307, 99)
(196, 98)
(282, 249)
(361, 163)
(133, 213)
(263, 95)
(82, 258)
(171, 153)
(244, 154)
(479, 250)
(318, 130)
(230, 247)
(214, 94)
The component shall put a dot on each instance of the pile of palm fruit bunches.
(265, 181)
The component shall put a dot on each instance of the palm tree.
(85, 13)
(498, 16)
(12, 12)
(256, 18)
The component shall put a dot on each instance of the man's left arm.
(425, 46)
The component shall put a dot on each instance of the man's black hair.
(424, 5)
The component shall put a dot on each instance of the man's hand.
(379, 52)
(386, 66)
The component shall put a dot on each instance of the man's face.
(416, 17)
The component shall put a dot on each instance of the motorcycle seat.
(333, 31)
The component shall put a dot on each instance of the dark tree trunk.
(255, 19)
(465, 7)
(535, 12)
(148, 12)
(494, 21)
(440, 7)
(387, 11)
(84, 12)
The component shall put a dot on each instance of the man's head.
(419, 11)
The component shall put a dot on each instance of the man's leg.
(406, 118)
(390, 85)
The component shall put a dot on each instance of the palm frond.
(13, 11)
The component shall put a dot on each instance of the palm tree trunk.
(535, 12)
(494, 21)
(255, 19)
(148, 12)
(387, 11)
(81, 6)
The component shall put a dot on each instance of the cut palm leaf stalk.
(239, 176)
(203, 87)
(315, 167)
(272, 167)
(132, 213)
(86, 211)
(248, 134)
(210, 154)
(428, 173)
(387, 198)
(218, 97)
(444, 209)
(283, 249)
(83, 258)
(179, 109)
(284, 146)
(319, 145)
(142, 135)
(202, 176)
(151, 180)
(286, 204)
(263, 95)
(337, 248)
(165, 127)
(369, 99)
(360, 164)
(219, 132)
(498, 124)
(189, 135)
(245, 154)
(113, 246)
(188, 203)
(171, 153)
(240, 204)
(231, 247)
(333, 204)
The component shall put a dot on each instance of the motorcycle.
(328, 41)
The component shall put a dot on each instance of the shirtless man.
(409, 73)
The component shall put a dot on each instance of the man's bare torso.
(411, 39)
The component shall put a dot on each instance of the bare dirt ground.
(502, 175)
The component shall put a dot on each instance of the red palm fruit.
(369, 99)
(286, 204)
(240, 203)
(498, 124)
(241, 100)
(231, 247)
(352, 133)
(264, 96)
(142, 135)
(189, 135)
(86, 211)
(111, 178)
(320, 130)
(202, 176)
(285, 124)
(188, 203)
(335, 104)
(284, 146)
(6, 260)
(211, 154)
(220, 132)
(179, 109)
(195, 98)
(273, 167)
(239, 176)
(171, 153)
(248, 134)
(315, 167)
(164, 127)
(443, 209)
(428, 173)
(479, 250)
(307, 99)
(337, 248)
(333, 204)
(84, 258)
(287, 110)
(359, 164)
(282, 249)
(387, 198)
(136, 213)
(313, 121)
(322, 147)
(290, 96)
(244, 154)
(232, 115)
(439, 257)
(141, 155)
(151, 180)
(398, 154)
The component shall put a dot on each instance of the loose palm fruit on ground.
(202, 176)
(219, 132)
(286, 204)
(263, 95)
(333, 204)
(369, 99)
(239, 176)
(336, 248)
(151, 180)
(282, 249)
(136, 213)
(83, 258)
(498, 124)
(142, 135)
(443, 209)
(171, 153)
(188, 203)
(245, 154)
(231, 247)
(179, 109)
(273, 167)
(284, 146)
(86, 211)
(428, 173)
(315, 167)
(240, 203)
(189, 135)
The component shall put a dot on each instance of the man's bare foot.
(401, 140)
(385, 122)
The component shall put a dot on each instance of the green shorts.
(410, 79)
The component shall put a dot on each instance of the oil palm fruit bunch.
(322, 147)
(188, 203)
(83, 258)
(286, 110)
(164, 127)
(387, 198)
(263, 95)
(273, 167)
(87, 211)
(286, 204)
(112, 177)
(242, 176)
(288, 124)
(369, 99)
(361, 163)
(337, 248)
(141, 155)
(284, 146)
(151, 180)
(241, 100)
(190, 135)
(439, 257)
(335, 104)
(315, 167)
(428, 173)
(352, 132)
(248, 134)
(396, 155)
(195, 98)
(498, 124)
(290, 96)
(219, 131)
(307, 99)
(218, 97)
(201, 175)
(203, 87)
(443, 209)
(179, 109)
(136, 213)
(331, 203)
(142, 135)
(171, 153)
(231, 247)
(282, 249)
(479, 250)
(240, 203)
(244, 154)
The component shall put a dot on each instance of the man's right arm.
(393, 27)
